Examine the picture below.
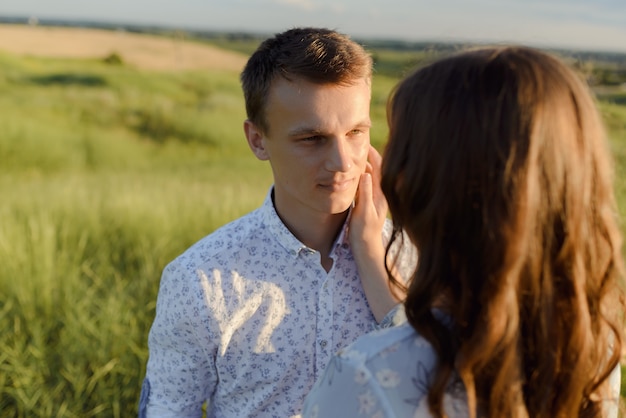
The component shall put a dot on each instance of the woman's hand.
(365, 234)
(370, 209)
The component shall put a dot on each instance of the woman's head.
(497, 168)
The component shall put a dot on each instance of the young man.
(249, 316)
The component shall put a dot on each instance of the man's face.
(317, 144)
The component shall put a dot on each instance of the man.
(249, 316)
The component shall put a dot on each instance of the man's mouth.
(338, 186)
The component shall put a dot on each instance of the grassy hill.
(110, 168)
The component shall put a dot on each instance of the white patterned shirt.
(248, 319)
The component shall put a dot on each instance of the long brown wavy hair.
(498, 168)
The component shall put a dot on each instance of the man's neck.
(315, 230)
(320, 234)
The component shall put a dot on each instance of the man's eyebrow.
(364, 123)
(305, 130)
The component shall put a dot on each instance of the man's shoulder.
(224, 241)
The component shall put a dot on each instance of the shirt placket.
(324, 331)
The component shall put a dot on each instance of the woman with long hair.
(498, 169)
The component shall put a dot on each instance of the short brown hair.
(317, 55)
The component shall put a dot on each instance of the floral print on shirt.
(248, 319)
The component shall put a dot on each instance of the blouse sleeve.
(346, 389)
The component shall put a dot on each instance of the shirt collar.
(285, 238)
(342, 238)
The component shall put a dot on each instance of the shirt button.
(323, 343)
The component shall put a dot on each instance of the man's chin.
(341, 207)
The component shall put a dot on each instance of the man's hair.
(316, 55)
(498, 168)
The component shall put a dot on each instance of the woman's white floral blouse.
(385, 375)
(382, 375)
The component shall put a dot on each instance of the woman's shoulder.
(384, 373)
(380, 343)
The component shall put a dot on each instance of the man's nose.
(339, 156)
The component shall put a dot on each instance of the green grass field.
(107, 173)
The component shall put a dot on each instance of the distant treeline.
(393, 56)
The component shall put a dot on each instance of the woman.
(498, 169)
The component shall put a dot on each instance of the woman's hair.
(498, 169)
(317, 55)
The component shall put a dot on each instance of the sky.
(592, 25)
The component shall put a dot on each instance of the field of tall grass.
(106, 174)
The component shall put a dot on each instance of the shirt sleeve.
(180, 374)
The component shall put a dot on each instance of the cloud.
(306, 5)
(337, 8)
(322, 8)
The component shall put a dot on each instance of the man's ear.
(256, 140)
